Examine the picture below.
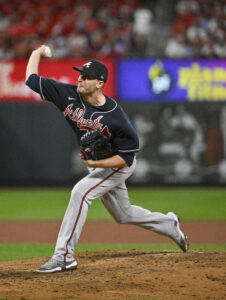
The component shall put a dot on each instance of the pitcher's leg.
(118, 204)
(72, 224)
(93, 186)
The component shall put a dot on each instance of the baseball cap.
(94, 68)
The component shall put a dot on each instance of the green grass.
(33, 204)
(207, 204)
(23, 251)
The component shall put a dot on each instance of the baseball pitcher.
(108, 147)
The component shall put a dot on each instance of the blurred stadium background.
(167, 69)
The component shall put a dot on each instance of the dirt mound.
(121, 275)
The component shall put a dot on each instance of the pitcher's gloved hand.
(94, 145)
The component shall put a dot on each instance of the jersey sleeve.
(33, 83)
(128, 157)
(49, 89)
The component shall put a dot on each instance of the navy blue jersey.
(82, 116)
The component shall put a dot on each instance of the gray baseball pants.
(108, 185)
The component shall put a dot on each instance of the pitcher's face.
(87, 84)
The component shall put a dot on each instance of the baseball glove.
(94, 145)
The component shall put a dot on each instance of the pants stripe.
(80, 209)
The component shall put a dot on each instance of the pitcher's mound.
(120, 275)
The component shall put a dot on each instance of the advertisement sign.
(12, 76)
(162, 80)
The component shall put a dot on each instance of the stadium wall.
(180, 144)
(178, 108)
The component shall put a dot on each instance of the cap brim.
(77, 69)
(82, 71)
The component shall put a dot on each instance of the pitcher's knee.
(76, 192)
(122, 219)
(80, 192)
(124, 215)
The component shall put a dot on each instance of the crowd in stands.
(106, 28)
(199, 30)
(75, 28)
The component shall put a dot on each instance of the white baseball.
(48, 51)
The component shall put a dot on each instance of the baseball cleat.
(178, 236)
(53, 266)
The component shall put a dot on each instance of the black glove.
(94, 145)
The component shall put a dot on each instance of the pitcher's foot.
(53, 266)
(178, 236)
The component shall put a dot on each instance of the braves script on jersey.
(82, 116)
